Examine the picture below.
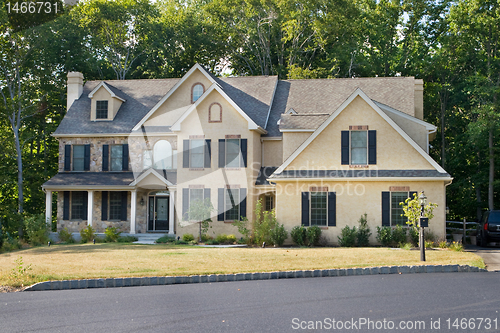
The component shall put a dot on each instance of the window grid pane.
(197, 153)
(116, 158)
(359, 147)
(232, 204)
(78, 157)
(197, 92)
(233, 153)
(397, 209)
(318, 208)
(77, 205)
(115, 205)
(101, 111)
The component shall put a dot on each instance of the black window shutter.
(243, 203)
(105, 157)
(220, 204)
(67, 158)
(243, 153)
(86, 158)
(222, 153)
(85, 205)
(185, 154)
(344, 143)
(332, 209)
(125, 158)
(104, 206)
(372, 147)
(66, 206)
(386, 209)
(185, 203)
(305, 208)
(124, 206)
(208, 154)
(412, 193)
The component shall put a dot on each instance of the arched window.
(196, 92)
(162, 155)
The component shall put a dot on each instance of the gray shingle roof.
(303, 121)
(359, 173)
(140, 96)
(253, 94)
(264, 173)
(326, 95)
(64, 179)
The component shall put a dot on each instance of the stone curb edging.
(166, 280)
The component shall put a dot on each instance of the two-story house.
(135, 153)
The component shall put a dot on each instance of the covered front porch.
(144, 203)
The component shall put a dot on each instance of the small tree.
(200, 211)
(412, 210)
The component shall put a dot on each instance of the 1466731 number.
(472, 323)
(32, 7)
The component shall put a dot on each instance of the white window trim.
(390, 205)
(191, 156)
(350, 147)
(107, 110)
(310, 209)
(73, 157)
(239, 154)
(225, 203)
(109, 206)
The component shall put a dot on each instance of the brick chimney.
(419, 99)
(75, 87)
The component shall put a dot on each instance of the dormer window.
(196, 92)
(101, 110)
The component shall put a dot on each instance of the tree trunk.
(479, 211)
(443, 100)
(492, 170)
(19, 176)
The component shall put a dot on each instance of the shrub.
(264, 223)
(347, 237)
(456, 246)
(398, 235)
(36, 229)
(127, 239)
(406, 246)
(429, 236)
(180, 242)
(87, 234)
(313, 234)
(323, 241)
(279, 235)
(384, 236)
(212, 242)
(429, 244)
(231, 239)
(443, 244)
(99, 239)
(11, 244)
(298, 235)
(65, 236)
(242, 229)
(111, 234)
(1, 233)
(221, 238)
(205, 238)
(187, 237)
(414, 234)
(165, 239)
(364, 232)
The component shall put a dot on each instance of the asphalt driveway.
(490, 255)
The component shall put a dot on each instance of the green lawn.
(60, 262)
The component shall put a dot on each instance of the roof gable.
(195, 68)
(110, 91)
(358, 93)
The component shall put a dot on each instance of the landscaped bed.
(109, 260)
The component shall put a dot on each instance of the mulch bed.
(9, 289)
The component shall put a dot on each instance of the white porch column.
(90, 208)
(171, 213)
(48, 209)
(133, 210)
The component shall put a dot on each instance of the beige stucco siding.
(292, 141)
(178, 102)
(113, 104)
(233, 123)
(393, 151)
(353, 200)
(272, 152)
(416, 131)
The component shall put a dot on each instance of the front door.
(158, 213)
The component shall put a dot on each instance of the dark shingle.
(264, 173)
(63, 179)
(359, 173)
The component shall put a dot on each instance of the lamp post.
(423, 201)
